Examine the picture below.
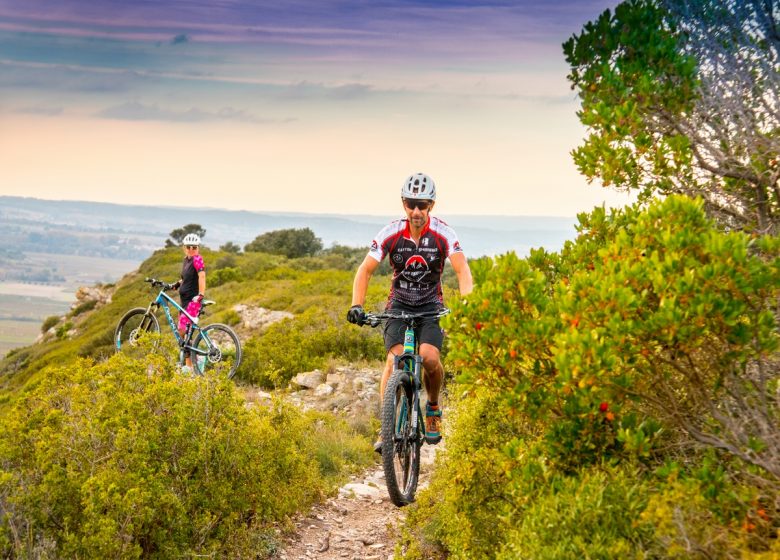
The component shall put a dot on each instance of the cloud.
(40, 110)
(311, 90)
(135, 111)
(181, 38)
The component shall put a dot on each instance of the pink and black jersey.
(417, 268)
(189, 276)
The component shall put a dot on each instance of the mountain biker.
(417, 247)
(191, 284)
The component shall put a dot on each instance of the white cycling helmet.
(191, 239)
(420, 187)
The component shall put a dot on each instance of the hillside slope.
(98, 451)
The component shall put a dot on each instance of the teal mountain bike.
(213, 346)
(403, 423)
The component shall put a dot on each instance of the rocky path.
(359, 524)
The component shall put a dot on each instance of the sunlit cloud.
(136, 111)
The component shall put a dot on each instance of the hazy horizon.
(284, 212)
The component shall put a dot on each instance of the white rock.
(255, 317)
(360, 490)
(323, 389)
(310, 379)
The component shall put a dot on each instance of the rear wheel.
(400, 443)
(217, 347)
(132, 334)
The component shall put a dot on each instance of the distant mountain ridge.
(129, 231)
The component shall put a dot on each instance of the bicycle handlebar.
(155, 283)
(375, 319)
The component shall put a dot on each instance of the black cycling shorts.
(429, 332)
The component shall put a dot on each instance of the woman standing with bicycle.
(192, 284)
(417, 247)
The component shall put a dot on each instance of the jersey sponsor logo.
(416, 268)
(425, 241)
(398, 257)
(374, 246)
(456, 248)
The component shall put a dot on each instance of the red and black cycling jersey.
(417, 268)
(189, 277)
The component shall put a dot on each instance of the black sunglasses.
(191, 247)
(411, 204)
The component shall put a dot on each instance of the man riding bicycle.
(417, 247)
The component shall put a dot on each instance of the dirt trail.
(359, 524)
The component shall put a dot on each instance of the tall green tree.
(178, 234)
(292, 243)
(683, 96)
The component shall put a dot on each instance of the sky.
(294, 106)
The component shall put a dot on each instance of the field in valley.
(24, 306)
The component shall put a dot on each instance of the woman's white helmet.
(420, 187)
(191, 239)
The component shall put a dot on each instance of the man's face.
(417, 211)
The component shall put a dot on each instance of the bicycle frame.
(164, 300)
(411, 362)
(185, 342)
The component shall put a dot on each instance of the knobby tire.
(400, 459)
(131, 328)
(225, 352)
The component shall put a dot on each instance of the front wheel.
(400, 441)
(133, 330)
(217, 347)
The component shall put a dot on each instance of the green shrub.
(83, 307)
(231, 318)
(128, 459)
(62, 330)
(49, 322)
(595, 514)
(292, 243)
(224, 275)
(651, 332)
(228, 261)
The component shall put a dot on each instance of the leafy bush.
(292, 243)
(83, 307)
(62, 331)
(223, 276)
(49, 322)
(652, 332)
(128, 459)
(227, 261)
(230, 247)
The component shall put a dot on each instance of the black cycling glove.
(356, 314)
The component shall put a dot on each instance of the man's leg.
(434, 375)
(434, 371)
